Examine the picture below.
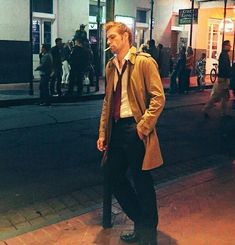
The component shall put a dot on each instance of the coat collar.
(132, 57)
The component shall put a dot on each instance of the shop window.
(93, 10)
(141, 16)
(43, 6)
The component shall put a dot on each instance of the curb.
(31, 101)
(64, 99)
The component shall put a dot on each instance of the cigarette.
(106, 49)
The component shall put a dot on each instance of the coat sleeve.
(155, 98)
(107, 106)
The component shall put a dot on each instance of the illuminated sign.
(185, 16)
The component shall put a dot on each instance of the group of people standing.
(182, 71)
(65, 63)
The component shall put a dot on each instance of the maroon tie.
(118, 94)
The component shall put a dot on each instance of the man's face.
(116, 41)
(227, 47)
(59, 43)
(43, 50)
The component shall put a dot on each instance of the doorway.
(41, 34)
(214, 44)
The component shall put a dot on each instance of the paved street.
(50, 167)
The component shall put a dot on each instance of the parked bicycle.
(214, 72)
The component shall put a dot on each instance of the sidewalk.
(18, 94)
(196, 210)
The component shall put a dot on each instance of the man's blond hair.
(121, 28)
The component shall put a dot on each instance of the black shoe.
(129, 236)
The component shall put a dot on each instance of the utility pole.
(107, 193)
(98, 46)
(110, 6)
(191, 24)
(31, 47)
(151, 20)
(225, 13)
(233, 47)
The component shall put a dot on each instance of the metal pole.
(233, 46)
(151, 20)
(97, 69)
(110, 6)
(225, 12)
(31, 92)
(191, 24)
(107, 193)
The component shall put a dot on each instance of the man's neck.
(122, 54)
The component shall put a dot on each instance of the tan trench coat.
(146, 98)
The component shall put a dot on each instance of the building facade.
(19, 46)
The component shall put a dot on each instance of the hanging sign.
(185, 16)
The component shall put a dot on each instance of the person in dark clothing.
(57, 67)
(232, 83)
(159, 56)
(152, 50)
(45, 69)
(81, 34)
(178, 72)
(79, 60)
(96, 64)
(220, 91)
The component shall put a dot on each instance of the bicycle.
(214, 72)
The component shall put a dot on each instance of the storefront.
(211, 30)
(61, 18)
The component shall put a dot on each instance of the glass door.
(214, 44)
(41, 32)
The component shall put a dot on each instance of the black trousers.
(76, 78)
(44, 88)
(137, 199)
(56, 81)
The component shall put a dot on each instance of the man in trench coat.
(133, 102)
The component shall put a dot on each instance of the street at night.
(49, 154)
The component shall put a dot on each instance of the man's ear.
(126, 35)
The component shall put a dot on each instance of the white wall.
(164, 10)
(126, 8)
(14, 20)
(71, 13)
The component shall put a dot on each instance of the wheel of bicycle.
(213, 75)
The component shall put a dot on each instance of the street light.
(191, 24)
(151, 20)
(31, 92)
(225, 12)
